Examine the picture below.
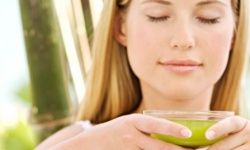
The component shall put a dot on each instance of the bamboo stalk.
(96, 7)
(86, 8)
(83, 32)
(45, 53)
(72, 46)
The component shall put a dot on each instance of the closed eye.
(158, 19)
(209, 20)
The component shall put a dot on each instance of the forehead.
(195, 2)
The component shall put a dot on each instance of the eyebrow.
(202, 3)
(208, 2)
(164, 2)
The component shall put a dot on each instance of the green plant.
(18, 137)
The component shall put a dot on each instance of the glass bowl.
(197, 121)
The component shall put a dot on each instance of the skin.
(126, 132)
(189, 29)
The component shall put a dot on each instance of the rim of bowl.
(210, 115)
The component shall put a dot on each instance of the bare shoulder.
(64, 134)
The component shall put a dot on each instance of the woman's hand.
(238, 131)
(131, 132)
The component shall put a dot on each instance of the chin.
(182, 94)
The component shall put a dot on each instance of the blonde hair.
(226, 94)
(112, 88)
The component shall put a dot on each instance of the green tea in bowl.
(197, 122)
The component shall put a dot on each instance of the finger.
(243, 147)
(149, 124)
(227, 126)
(233, 141)
(147, 143)
(230, 142)
(203, 148)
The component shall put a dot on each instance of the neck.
(199, 103)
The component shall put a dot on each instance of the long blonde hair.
(112, 88)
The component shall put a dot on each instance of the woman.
(168, 55)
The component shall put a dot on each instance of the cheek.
(141, 47)
(217, 51)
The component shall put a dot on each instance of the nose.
(182, 38)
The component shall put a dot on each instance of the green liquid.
(198, 138)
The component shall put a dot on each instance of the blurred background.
(14, 80)
(18, 118)
(15, 97)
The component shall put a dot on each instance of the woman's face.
(178, 48)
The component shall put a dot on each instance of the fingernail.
(210, 135)
(186, 133)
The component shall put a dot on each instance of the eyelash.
(158, 19)
(201, 19)
(209, 20)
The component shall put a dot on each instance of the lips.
(181, 66)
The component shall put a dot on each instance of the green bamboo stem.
(45, 53)
(88, 19)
